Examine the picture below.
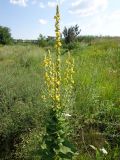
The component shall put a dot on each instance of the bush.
(71, 33)
(5, 35)
(42, 41)
(50, 42)
(71, 46)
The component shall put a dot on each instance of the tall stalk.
(55, 145)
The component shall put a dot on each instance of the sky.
(29, 18)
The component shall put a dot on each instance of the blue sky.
(28, 18)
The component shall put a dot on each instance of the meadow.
(95, 119)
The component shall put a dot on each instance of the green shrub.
(5, 35)
(42, 42)
(71, 33)
(71, 46)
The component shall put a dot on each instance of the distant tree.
(71, 33)
(5, 35)
(42, 40)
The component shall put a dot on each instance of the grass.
(96, 115)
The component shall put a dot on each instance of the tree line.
(69, 36)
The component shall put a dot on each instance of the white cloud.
(42, 5)
(115, 15)
(19, 2)
(87, 7)
(42, 21)
(102, 24)
(52, 4)
(39, 3)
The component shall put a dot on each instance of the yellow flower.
(58, 33)
(58, 83)
(45, 62)
(57, 97)
(43, 97)
(72, 81)
(46, 75)
(59, 44)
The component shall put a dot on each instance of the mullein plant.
(55, 145)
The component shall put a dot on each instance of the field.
(95, 115)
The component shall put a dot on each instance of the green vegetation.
(5, 35)
(42, 40)
(71, 33)
(96, 113)
(55, 145)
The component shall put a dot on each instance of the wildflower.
(59, 44)
(45, 62)
(93, 147)
(58, 83)
(46, 76)
(43, 97)
(52, 78)
(103, 150)
(72, 81)
(53, 83)
(57, 97)
(72, 70)
(67, 115)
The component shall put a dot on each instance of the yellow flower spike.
(53, 75)
(53, 80)
(58, 44)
